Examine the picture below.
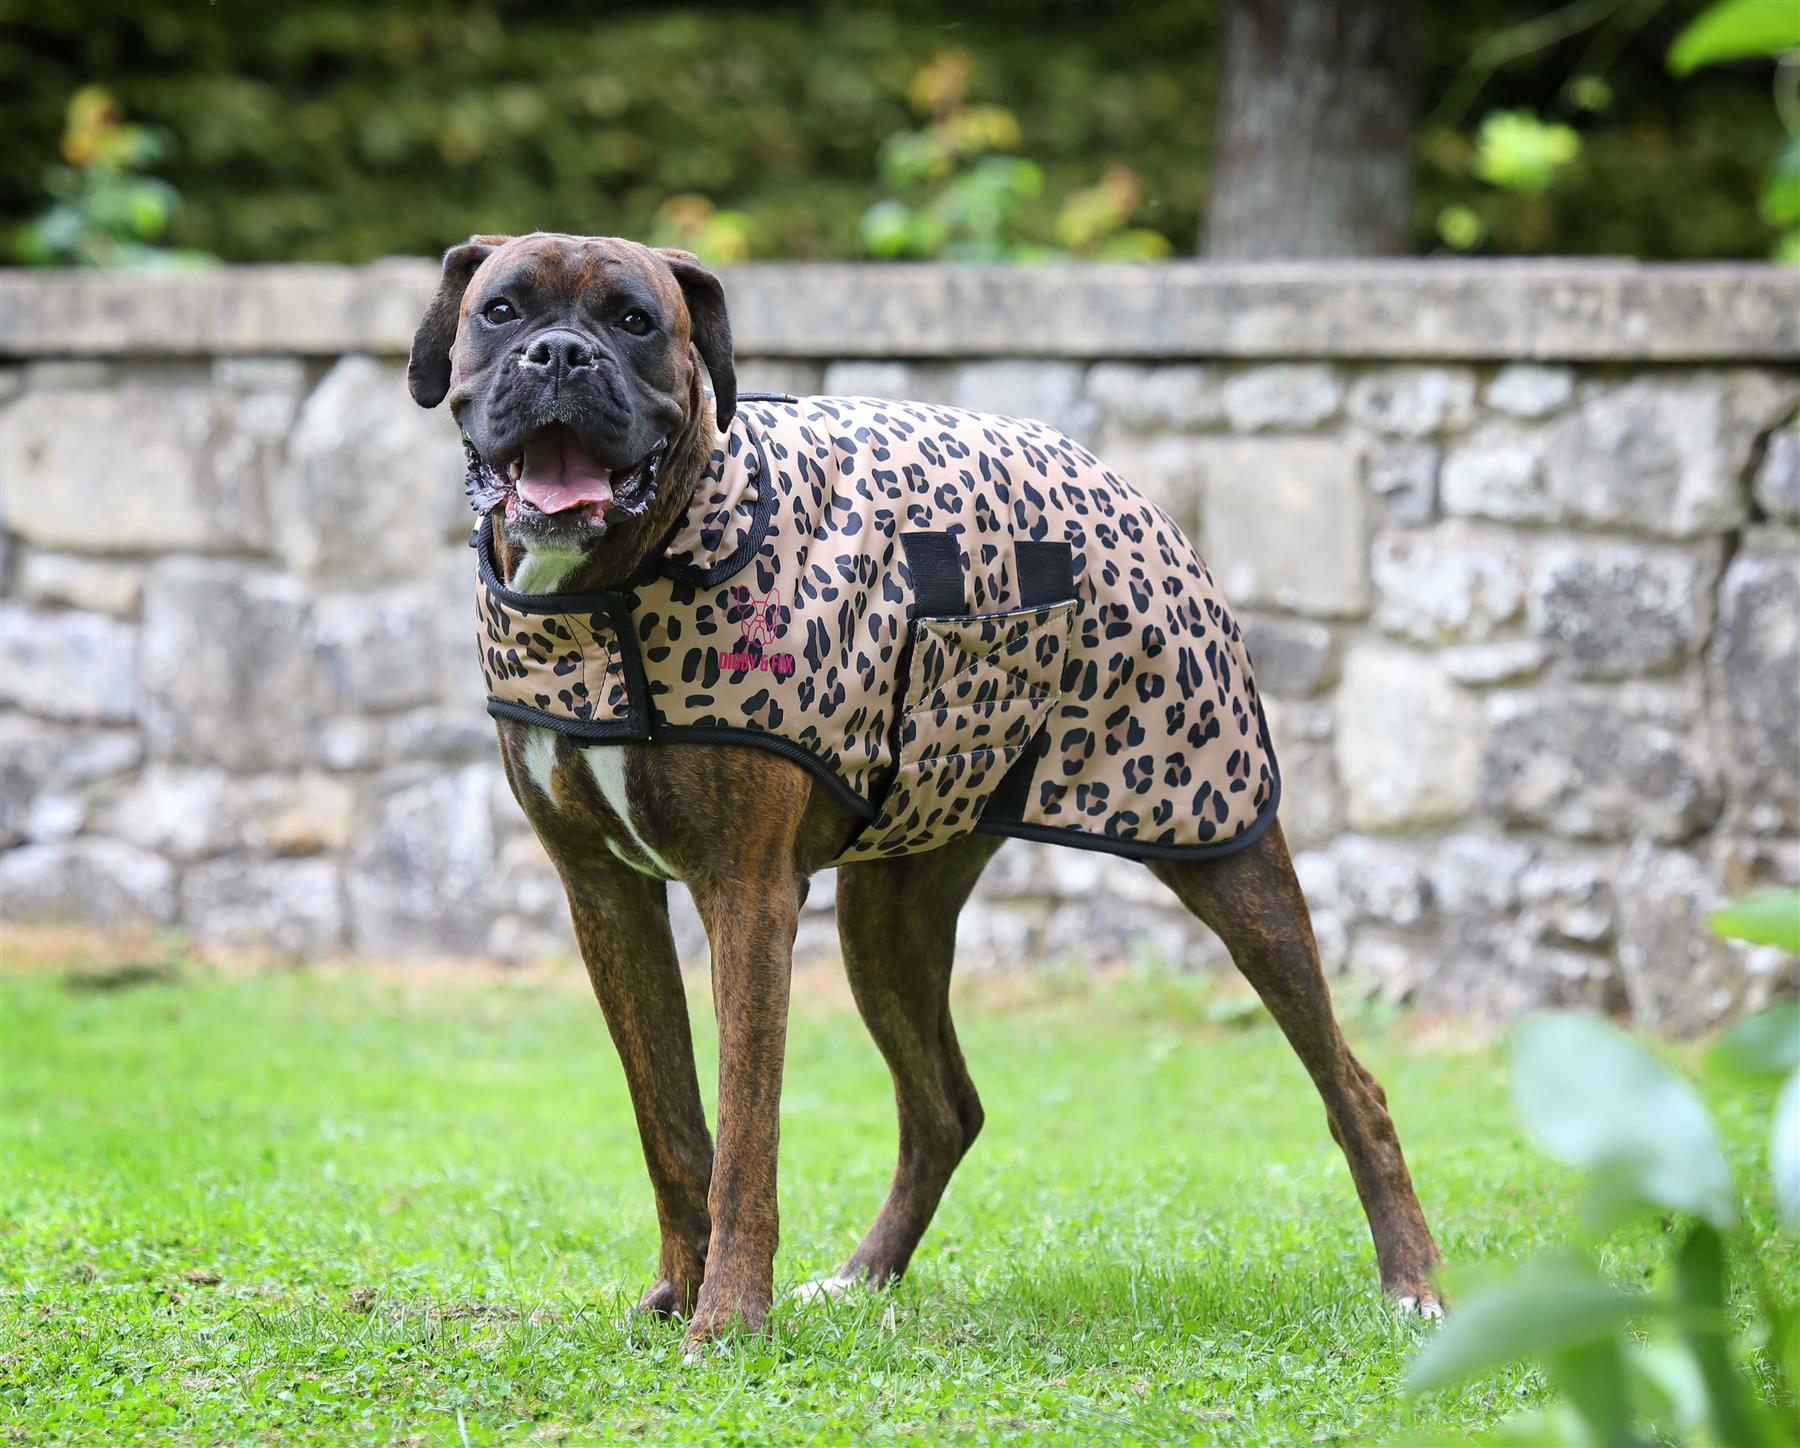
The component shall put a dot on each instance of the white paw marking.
(824, 1289)
(1427, 1307)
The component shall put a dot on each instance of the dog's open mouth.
(555, 475)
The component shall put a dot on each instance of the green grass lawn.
(335, 1207)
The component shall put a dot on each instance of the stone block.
(228, 672)
(68, 664)
(290, 908)
(1506, 661)
(1282, 395)
(1167, 468)
(1753, 667)
(1413, 402)
(1052, 392)
(1612, 607)
(1678, 975)
(1378, 879)
(293, 814)
(1290, 656)
(1409, 741)
(87, 881)
(373, 483)
(103, 585)
(421, 881)
(458, 653)
(1530, 389)
(1294, 719)
(177, 811)
(444, 735)
(160, 462)
(1285, 522)
(1777, 487)
(1497, 471)
(1312, 805)
(532, 919)
(1569, 899)
(45, 770)
(377, 650)
(770, 374)
(1472, 873)
(194, 812)
(1177, 396)
(350, 742)
(1660, 455)
(1741, 863)
(1597, 764)
(1452, 582)
(896, 381)
(1404, 475)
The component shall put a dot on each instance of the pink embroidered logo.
(762, 620)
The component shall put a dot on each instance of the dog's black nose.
(559, 352)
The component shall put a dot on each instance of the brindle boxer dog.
(577, 368)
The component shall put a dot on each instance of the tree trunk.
(1314, 138)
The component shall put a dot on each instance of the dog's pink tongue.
(558, 475)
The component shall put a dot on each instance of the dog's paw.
(826, 1289)
(719, 1315)
(1423, 1303)
(665, 1299)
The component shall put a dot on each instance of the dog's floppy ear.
(712, 328)
(428, 369)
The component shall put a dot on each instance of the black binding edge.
(759, 520)
(614, 731)
(600, 601)
(1149, 849)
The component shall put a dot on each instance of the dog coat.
(955, 621)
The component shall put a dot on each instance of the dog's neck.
(626, 545)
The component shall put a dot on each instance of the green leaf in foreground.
(1550, 1306)
(1765, 1044)
(1593, 1098)
(1763, 917)
(1784, 1151)
(1700, 1286)
(1734, 30)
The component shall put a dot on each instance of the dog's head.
(572, 365)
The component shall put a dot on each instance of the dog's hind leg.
(897, 923)
(1252, 900)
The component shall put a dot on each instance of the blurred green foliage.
(103, 211)
(351, 129)
(958, 189)
(1594, 1098)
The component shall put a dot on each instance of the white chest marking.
(541, 572)
(606, 762)
(540, 760)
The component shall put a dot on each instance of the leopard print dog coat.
(955, 621)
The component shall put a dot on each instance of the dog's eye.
(637, 322)
(499, 311)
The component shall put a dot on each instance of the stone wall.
(1517, 548)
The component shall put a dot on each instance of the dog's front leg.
(621, 921)
(750, 924)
